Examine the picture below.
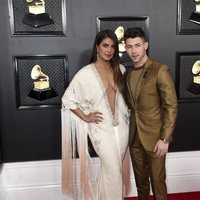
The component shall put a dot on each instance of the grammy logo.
(195, 16)
(124, 58)
(119, 32)
(41, 87)
(36, 15)
(195, 86)
(37, 7)
(196, 72)
(41, 80)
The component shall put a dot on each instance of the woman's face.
(106, 49)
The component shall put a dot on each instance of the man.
(153, 102)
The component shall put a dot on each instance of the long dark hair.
(118, 77)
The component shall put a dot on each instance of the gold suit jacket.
(154, 108)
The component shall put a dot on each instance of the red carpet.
(180, 196)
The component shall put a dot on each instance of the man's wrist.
(165, 141)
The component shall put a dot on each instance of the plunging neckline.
(114, 116)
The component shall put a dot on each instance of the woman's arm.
(94, 117)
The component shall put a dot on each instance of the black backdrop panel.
(186, 134)
(35, 134)
(1, 158)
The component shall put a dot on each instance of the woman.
(93, 106)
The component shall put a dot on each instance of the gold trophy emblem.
(41, 79)
(195, 16)
(37, 7)
(124, 58)
(41, 87)
(119, 32)
(36, 15)
(195, 86)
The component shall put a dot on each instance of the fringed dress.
(109, 139)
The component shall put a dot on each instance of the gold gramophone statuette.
(36, 15)
(36, 7)
(195, 86)
(197, 5)
(41, 89)
(195, 16)
(41, 80)
(119, 32)
(196, 71)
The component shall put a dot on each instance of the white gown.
(109, 138)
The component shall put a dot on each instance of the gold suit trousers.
(148, 168)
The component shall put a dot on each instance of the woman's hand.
(95, 117)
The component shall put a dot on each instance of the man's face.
(136, 49)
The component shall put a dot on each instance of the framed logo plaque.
(40, 81)
(37, 17)
(188, 17)
(188, 76)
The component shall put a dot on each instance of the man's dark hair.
(134, 32)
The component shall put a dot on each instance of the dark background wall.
(35, 134)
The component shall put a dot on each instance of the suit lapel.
(129, 89)
(144, 77)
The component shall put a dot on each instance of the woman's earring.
(97, 55)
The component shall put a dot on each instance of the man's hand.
(161, 148)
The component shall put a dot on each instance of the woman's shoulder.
(84, 70)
